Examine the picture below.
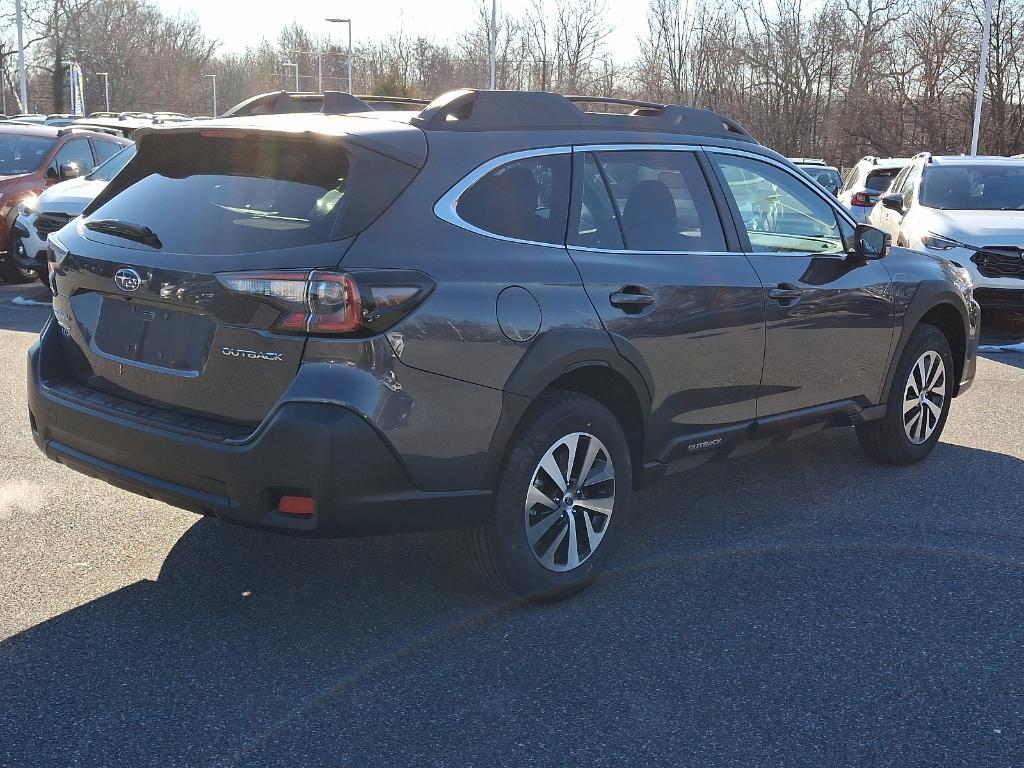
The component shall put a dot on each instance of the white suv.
(966, 209)
(869, 178)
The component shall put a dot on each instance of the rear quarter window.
(526, 199)
(221, 195)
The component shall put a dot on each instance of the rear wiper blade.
(137, 232)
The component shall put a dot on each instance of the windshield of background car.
(880, 180)
(109, 169)
(22, 154)
(213, 193)
(974, 188)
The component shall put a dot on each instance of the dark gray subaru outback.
(501, 313)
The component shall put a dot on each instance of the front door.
(674, 294)
(828, 316)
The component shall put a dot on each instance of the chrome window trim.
(445, 208)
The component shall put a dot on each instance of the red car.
(33, 157)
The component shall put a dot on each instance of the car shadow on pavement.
(791, 601)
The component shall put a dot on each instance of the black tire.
(10, 272)
(886, 440)
(500, 550)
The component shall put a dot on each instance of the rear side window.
(526, 199)
(220, 195)
(661, 201)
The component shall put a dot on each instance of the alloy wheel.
(569, 502)
(924, 397)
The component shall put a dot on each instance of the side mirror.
(870, 242)
(894, 201)
(51, 174)
(69, 171)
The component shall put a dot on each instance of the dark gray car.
(502, 313)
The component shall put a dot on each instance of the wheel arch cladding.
(585, 362)
(937, 300)
(947, 319)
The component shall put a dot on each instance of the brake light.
(863, 199)
(358, 303)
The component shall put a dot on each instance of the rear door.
(829, 317)
(670, 285)
(141, 291)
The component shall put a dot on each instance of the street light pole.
(214, 78)
(293, 64)
(982, 68)
(493, 44)
(106, 89)
(21, 58)
(349, 22)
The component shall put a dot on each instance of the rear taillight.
(357, 303)
(863, 198)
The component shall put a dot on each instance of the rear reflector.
(300, 506)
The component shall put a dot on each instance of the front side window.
(22, 154)
(907, 187)
(660, 200)
(75, 151)
(780, 212)
(526, 199)
(974, 187)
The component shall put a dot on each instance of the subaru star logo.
(128, 280)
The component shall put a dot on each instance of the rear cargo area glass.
(215, 195)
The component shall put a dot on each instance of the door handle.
(786, 294)
(631, 298)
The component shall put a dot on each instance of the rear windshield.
(880, 180)
(22, 154)
(974, 188)
(215, 194)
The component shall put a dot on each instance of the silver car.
(969, 210)
(869, 178)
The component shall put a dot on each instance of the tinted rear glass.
(22, 154)
(974, 188)
(526, 199)
(881, 179)
(226, 195)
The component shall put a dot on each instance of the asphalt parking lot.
(800, 606)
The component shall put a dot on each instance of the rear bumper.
(319, 449)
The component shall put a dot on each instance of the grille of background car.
(1000, 261)
(47, 223)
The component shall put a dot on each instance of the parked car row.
(51, 167)
(967, 209)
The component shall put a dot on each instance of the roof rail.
(285, 102)
(472, 110)
(926, 155)
(385, 103)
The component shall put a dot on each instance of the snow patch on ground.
(21, 496)
(21, 301)
(1018, 347)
